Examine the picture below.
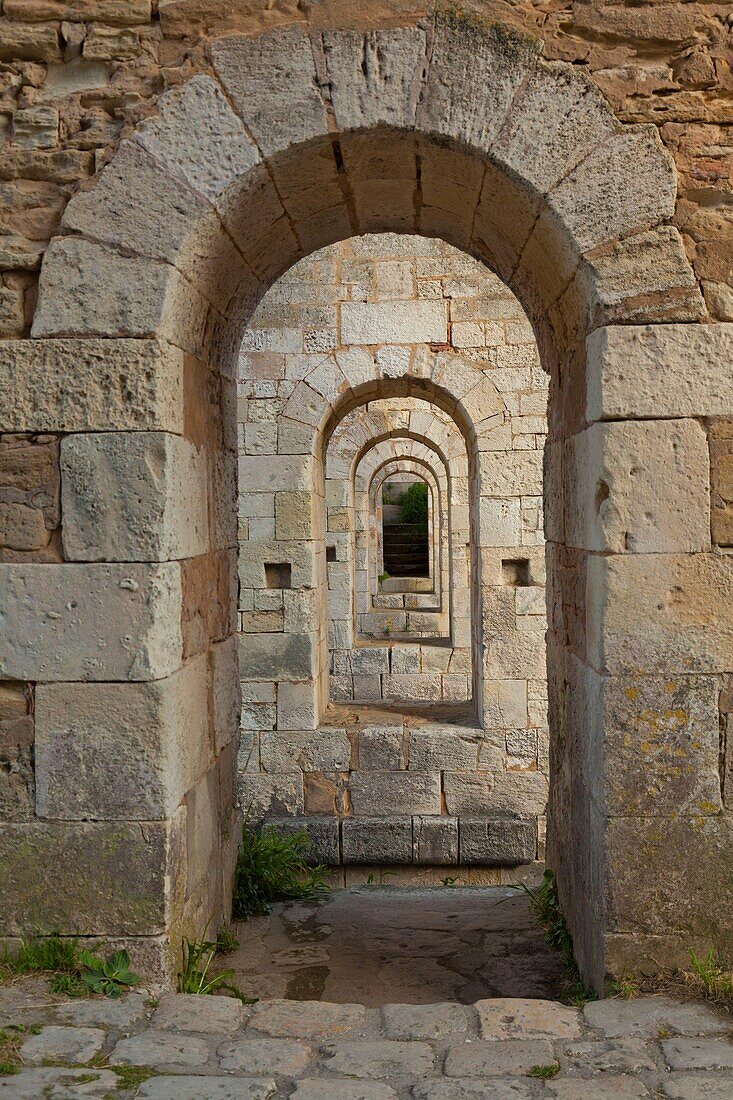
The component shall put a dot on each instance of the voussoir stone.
(379, 1058)
(513, 1018)
(431, 1021)
(215, 1015)
(72, 1044)
(496, 1058)
(264, 1055)
(376, 77)
(90, 622)
(645, 1017)
(306, 1019)
(182, 1087)
(68, 385)
(161, 1050)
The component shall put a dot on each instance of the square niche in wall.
(515, 572)
(278, 575)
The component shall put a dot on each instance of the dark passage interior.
(405, 530)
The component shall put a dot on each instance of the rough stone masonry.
(163, 168)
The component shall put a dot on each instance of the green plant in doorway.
(414, 504)
(194, 976)
(272, 866)
(545, 904)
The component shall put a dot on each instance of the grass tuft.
(271, 866)
(194, 977)
(53, 954)
(545, 1073)
(12, 1038)
(545, 904)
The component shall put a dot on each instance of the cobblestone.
(213, 1048)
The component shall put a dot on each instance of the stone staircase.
(406, 550)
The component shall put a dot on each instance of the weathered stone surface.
(512, 1018)
(377, 840)
(215, 1015)
(314, 1020)
(703, 1054)
(640, 613)
(686, 1086)
(614, 1056)
(638, 487)
(378, 1058)
(646, 1017)
(658, 370)
(498, 1057)
(311, 751)
(108, 1013)
(133, 496)
(161, 1050)
(266, 77)
(496, 841)
(181, 1087)
(474, 73)
(33, 1083)
(279, 657)
(264, 1055)
(17, 772)
(157, 733)
(423, 1021)
(393, 322)
(623, 1087)
(468, 1088)
(90, 622)
(321, 1089)
(71, 385)
(323, 836)
(435, 840)
(376, 77)
(222, 151)
(720, 439)
(70, 1044)
(40, 862)
(374, 794)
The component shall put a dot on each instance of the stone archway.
(294, 142)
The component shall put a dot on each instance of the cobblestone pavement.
(213, 1048)
(381, 944)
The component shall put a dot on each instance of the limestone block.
(435, 749)
(36, 127)
(270, 795)
(418, 687)
(376, 794)
(475, 71)
(133, 496)
(89, 289)
(496, 841)
(225, 691)
(271, 80)
(435, 841)
(299, 554)
(500, 521)
(156, 733)
(659, 371)
(35, 42)
(72, 385)
(595, 203)
(68, 875)
(660, 613)
(557, 119)
(368, 660)
(323, 836)
(645, 892)
(394, 322)
(514, 474)
(287, 472)
(405, 659)
(505, 703)
(515, 654)
(219, 152)
(375, 77)
(377, 840)
(720, 438)
(282, 657)
(381, 748)
(293, 513)
(483, 793)
(321, 750)
(90, 622)
(638, 487)
(17, 771)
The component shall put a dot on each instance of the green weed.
(545, 1073)
(41, 954)
(129, 1077)
(545, 904)
(414, 504)
(111, 976)
(226, 942)
(194, 977)
(11, 1040)
(271, 866)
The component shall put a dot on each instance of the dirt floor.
(386, 944)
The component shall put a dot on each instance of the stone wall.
(621, 258)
